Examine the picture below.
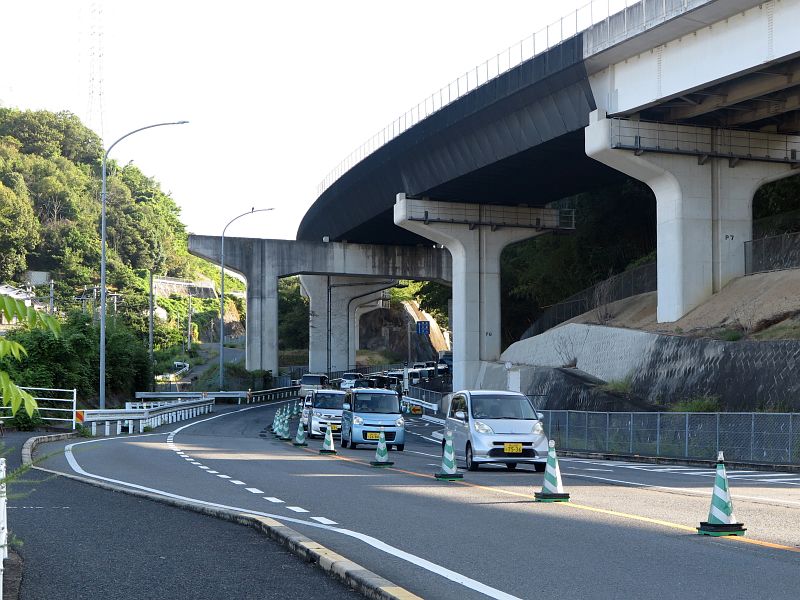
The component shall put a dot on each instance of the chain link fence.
(772, 438)
(772, 253)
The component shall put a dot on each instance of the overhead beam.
(735, 92)
(766, 111)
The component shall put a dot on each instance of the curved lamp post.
(222, 293)
(103, 260)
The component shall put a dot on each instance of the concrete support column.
(330, 298)
(475, 235)
(261, 342)
(704, 213)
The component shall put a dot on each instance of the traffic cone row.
(721, 520)
(300, 438)
(381, 453)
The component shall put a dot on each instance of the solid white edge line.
(368, 540)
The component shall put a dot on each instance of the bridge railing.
(772, 438)
(610, 20)
(145, 417)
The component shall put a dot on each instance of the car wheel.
(540, 467)
(399, 447)
(511, 466)
(471, 464)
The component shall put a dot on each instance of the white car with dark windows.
(325, 411)
(496, 427)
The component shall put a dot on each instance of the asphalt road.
(627, 533)
(82, 542)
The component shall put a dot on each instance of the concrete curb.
(354, 575)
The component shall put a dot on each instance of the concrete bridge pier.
(475, 235)
(332, 305)
(704, 203)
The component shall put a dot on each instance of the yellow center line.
(571, 504)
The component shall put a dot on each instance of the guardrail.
(146, 417)
(619, 19)
(3, 520)
(55, 405)
(771, 438)
(274, 394)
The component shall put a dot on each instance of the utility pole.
(408, 342)
(189, 322)
(150, 334)
(52, 297)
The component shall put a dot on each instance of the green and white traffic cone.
(327, 445)
(300, 438)
(720, 517)
(449, 470)
(276, 428)
(381, 453)
(275, 418)
(285, 435)
(552, 488)
(295, 412)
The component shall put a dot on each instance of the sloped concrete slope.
(666, 369)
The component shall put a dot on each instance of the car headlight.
(537, 428)
(358, 420)
(482, 427)
(400, 422)
(317, 414)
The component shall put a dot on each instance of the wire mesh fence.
(772, 438)
(772, 253)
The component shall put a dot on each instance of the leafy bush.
(25, 422)
(698, 404)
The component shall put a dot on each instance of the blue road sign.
(424, 327)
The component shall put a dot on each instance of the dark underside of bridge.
(518, 139)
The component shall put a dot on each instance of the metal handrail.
(578, 21)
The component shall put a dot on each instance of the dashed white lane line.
(204, 467)
(324, 521)
(423, 437)
(297, 509)
(237, 482)
(224, 476)
(254, 490)
(273, 499)
(422, 453)
(212, 472)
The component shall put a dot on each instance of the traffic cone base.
(327, 452)
(550, 497)
(379, 464)
(299, 443)
(448, 476)
(721, 529)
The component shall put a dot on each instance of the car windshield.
(502, 407)
(312, 380)
(329, 401)
(366, 402)
(351, 376)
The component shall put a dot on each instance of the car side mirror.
(346, 406)
(540, 416)
(460, 415)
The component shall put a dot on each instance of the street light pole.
(222, 293)
(103, 259)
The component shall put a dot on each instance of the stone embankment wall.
(662, 369)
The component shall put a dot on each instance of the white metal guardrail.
(619, 23)
(147, 417)
(3, 520)
(56, 406)
(274, 394)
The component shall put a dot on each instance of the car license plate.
(374, 435)
(335, 427)
(512, 448)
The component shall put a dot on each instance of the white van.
(312, 381)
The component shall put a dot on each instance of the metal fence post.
(658, 434)
(752, 434)
(791, 439)
(686, 437)
(74, 406)
(608, 428)
(567, 431)
(717, 448)
(630, 442)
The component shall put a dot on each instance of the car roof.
(492, 392)
(342, 392)
(373, 390)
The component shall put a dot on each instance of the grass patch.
(728, 335)
(788, 329)
(697, 404)
(376, 357)
(290, 358)
(618, 386)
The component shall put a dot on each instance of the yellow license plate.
(335, 427)
(374, 435)
(512, 448)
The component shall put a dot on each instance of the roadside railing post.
(74, 406)
(686, 436)
(658, 434)
(630, 441)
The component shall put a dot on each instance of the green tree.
(19, 232)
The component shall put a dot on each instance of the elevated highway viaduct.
(696, 98)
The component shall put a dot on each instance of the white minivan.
(496, 427)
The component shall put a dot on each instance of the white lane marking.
(273, 499)
(324, 521)
(194, 462)
(589, 469)
(422, 453)
(367, 539)
(205, 467)
(224, 476)
(237, 482)
(759, 476)
(254, 490)
(212, 472)
(297, 509)
(685, 491)
(423, 437)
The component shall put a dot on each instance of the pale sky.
(277, 93)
